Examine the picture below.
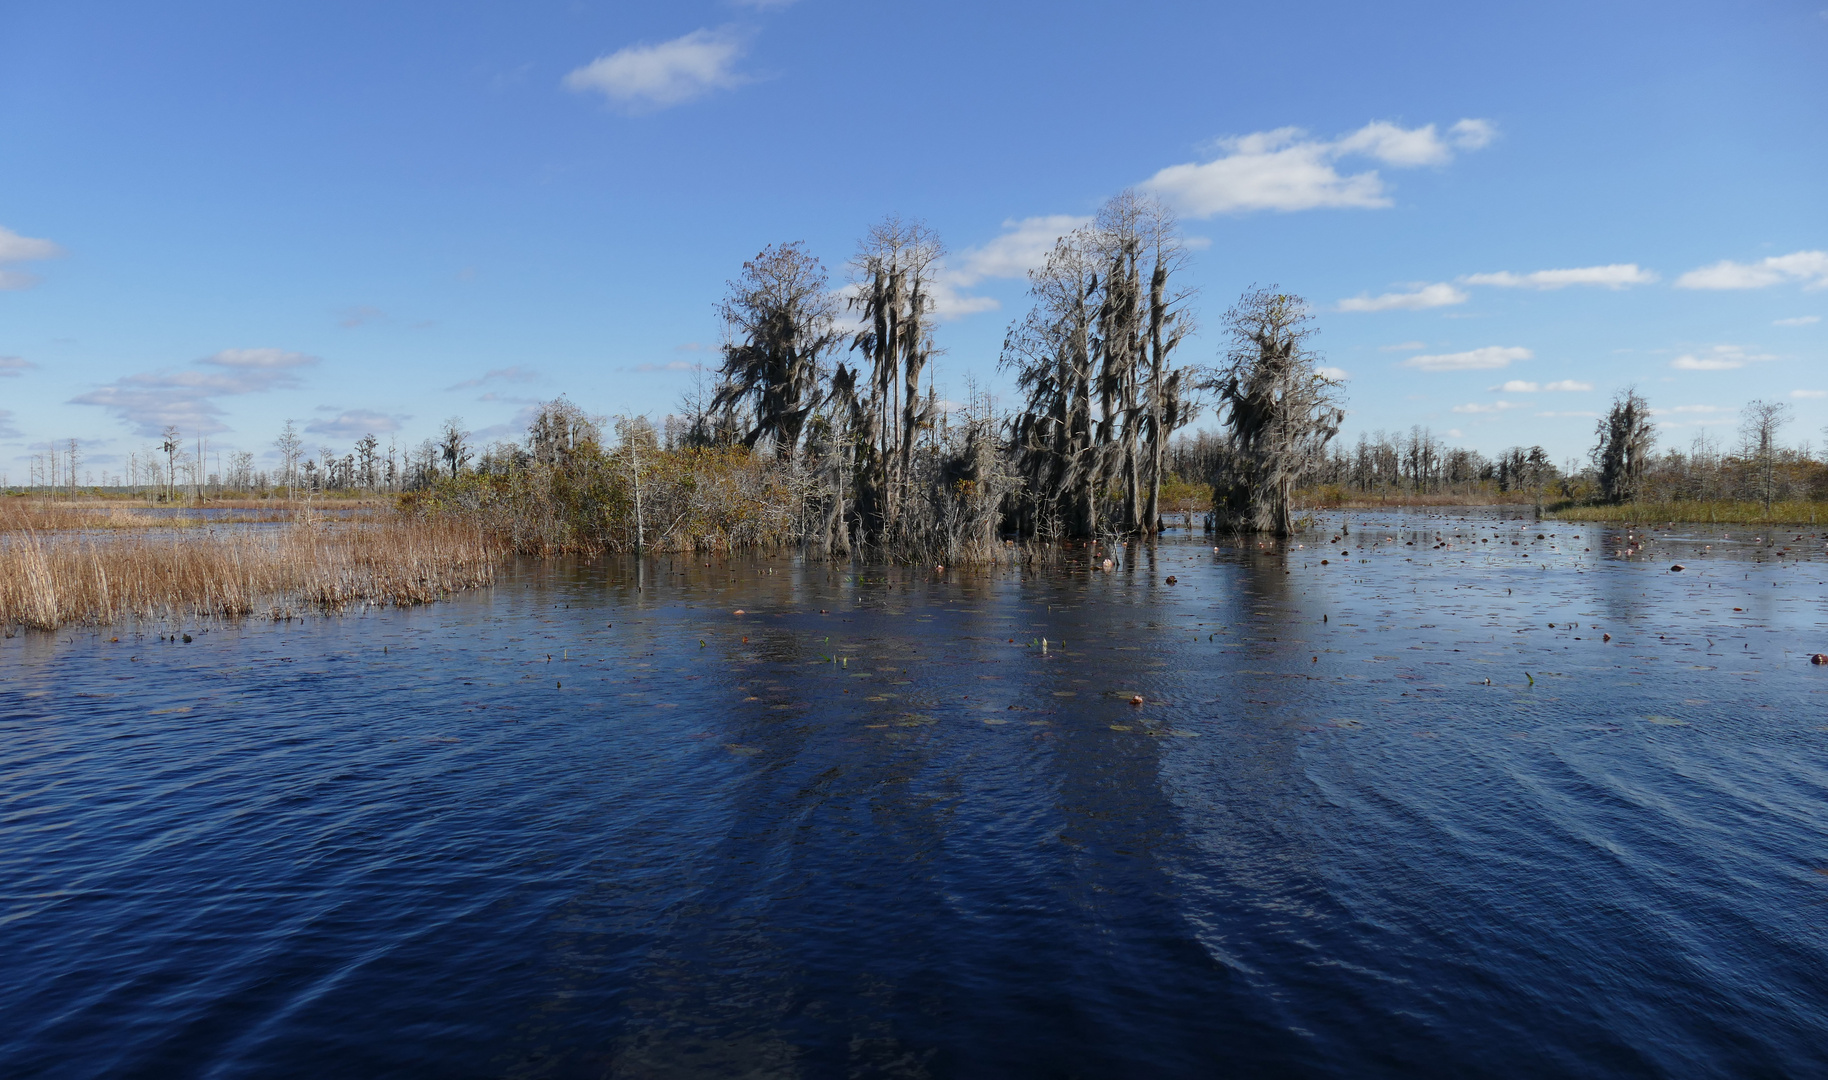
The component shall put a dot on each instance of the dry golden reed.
(48, 580)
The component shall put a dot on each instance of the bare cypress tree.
(1626, 436)
(1758, 427)
(1280, 410)
(1168, 395)
(892, 275)
(1051, 352)
(780, 317)
(290, 448)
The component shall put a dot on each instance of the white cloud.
(515, 374)
(1800, 320)
(1427, 296)
(16, 248)
(354, 423)
(1485, 359)
(670, 365)
(1455, 433)
(1690, 409)
(1523, 386)
(1286, 169)
(1336, 374)
(642, 78)
(1494, 407)
(1583, 415)
(1403, 346)
(14, 366)
(1808, 393)
(949, 303)
(1810, 267)
(1719, 358)
(185, 398)
(1472, 134)
(1612, 276)
(1023, 246)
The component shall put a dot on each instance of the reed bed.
(1702, 511)
(38, 515)
(50, 580)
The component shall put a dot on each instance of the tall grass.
(48, 580)
(1712, 511)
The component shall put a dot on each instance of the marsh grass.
(1694, 511)
(75, 515)
(54, 579)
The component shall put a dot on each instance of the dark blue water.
(1373, 818)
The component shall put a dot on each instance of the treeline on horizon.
(819, 432)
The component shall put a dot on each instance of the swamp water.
(1372, 818)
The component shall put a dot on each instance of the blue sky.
(374, 216)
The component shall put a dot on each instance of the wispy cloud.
(1719, 358)
(647, 77)
(1024, 245)
(1809, 393)
(516, 425)
(1334, 373)
(1426, 296)
(1289, 170)
(1809, 267)
(1612, 276)
(361, 315)
(16, 249)
(1492, 407)
(1800, 320)
(15, 366)
(355, 423)
(1485, 359)
(670, 365)
(515, 374)
(1523, 386)
(1576, 413)
(186, 398)
(1403, 346)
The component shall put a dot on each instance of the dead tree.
(1758, 427)
(1279, 409)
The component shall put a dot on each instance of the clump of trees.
(1095, 362)
(818, 430)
